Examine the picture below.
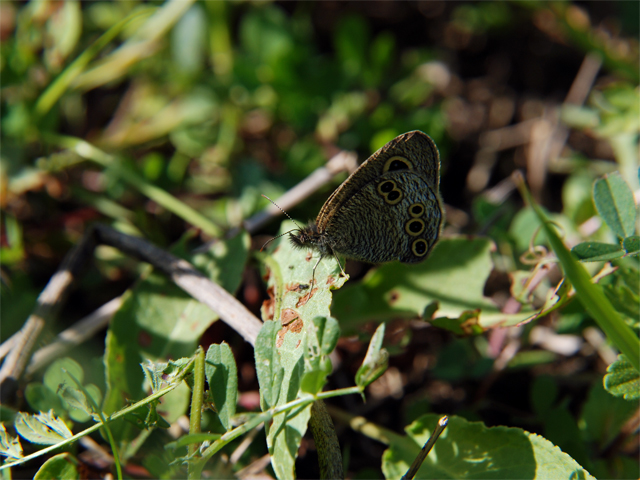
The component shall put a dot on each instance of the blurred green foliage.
(159, 116)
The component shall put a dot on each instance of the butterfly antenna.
(271, 240)
(288, 216)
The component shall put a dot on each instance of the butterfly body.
(388, 209)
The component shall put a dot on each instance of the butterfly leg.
(339, 264)
(313, 275)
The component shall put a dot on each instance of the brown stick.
(52, 297)
(48, 303)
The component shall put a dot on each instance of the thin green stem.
(195, 417)
(265, 417)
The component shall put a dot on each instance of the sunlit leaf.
(497, 452)
(63, 466)
(43, 428)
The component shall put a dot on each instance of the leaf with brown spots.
(296, 307)
(305, 298)
(288, 315)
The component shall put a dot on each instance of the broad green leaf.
(472, 450)
(158, 320)
(43, 428)
(622, 379)
(597, 251)
(222, 377)
(63, 466)
(450, 283)
(294, 307)
(9, 446)
(375, 361)
(560, 428)
(268, 368)
(632, 245)
(614, 202)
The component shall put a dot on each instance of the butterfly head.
(306, 237)
(310, 237)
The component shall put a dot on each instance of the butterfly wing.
(415, 147)
(390, 208)
(396, 217)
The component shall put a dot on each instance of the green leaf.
(450, 282)
(622, 379)
(597, 251)
(268, 368)
(296, 309)
(614, 201)
(61, 378)
(9, 446)
(222, 377)
(43, 428)
(80, 408)
(63, 466)
(75, 398)
(59, 372)
(632, 245)
(472, 450)
(375, 361)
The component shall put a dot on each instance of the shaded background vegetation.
(224, 102)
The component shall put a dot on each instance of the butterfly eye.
(397, 163)
(416, 210)
(419, 247)
(414, 227)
